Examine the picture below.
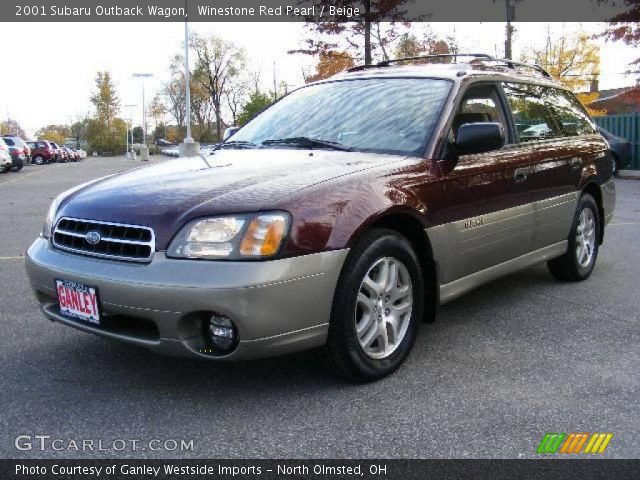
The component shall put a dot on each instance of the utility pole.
(275, 84)
(511, 16)
(367, 32)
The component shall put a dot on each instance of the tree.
(54, 133)
(136, 134)
(174, 94)
(202, 107)
(12, 127)
(78, 131)
(574, 59)
(410, 46)
(105, 132)
(157, 110)
(330, 63)
(220, 63)
(257, 102)
(625, 27)
(371, 35)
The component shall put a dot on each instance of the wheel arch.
(407, 224)
(593, 189)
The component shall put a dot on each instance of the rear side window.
(532, 116)
(569, 112)
(9, 142)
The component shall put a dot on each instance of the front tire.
(577, 264)
(377, 307)
(39, 160)
(5, 168)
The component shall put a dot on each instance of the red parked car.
(72, 155)
(42, 152)
(61, 154)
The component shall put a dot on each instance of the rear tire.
(577, 264)
(5, 168)
(616, 164)
(377, 308)
(18, 167)
(39, 160)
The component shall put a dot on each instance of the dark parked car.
(620, 149)
(42, 152)
(19, 151)
(339, 218)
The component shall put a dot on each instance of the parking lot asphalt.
(503, 365)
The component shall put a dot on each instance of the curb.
(629, 173)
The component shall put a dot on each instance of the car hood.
(167, 195)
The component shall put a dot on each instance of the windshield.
(392, 115)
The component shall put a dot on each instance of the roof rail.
(514, 63)
(386, 63)
(478, 56)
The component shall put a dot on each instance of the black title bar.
(318, 469)
(311, 10)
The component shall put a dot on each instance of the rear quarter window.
(571, 115)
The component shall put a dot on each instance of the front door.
(487, 196)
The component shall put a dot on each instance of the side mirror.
(479, 137)
(229, 132)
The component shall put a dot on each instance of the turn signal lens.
(264, 236)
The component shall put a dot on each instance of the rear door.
(548, 125)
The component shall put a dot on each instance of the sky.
(57, 76)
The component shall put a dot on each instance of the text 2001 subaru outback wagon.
(339, 218)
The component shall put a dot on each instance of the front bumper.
(278, 306)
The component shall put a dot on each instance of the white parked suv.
(5, 157)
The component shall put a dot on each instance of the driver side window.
(480, 103)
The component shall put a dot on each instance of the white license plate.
(78, 300)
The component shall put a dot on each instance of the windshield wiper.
(307, 142)
(235, 144)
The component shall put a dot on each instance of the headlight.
(231, 237)
(51, 215)
(55, 205)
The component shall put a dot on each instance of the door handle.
(576, 162)
(520, 175)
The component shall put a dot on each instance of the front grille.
(117, 241)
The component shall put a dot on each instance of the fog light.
(222, 333)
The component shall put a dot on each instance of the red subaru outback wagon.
(338, 219)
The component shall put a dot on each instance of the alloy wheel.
(383, 307)
(585, 237)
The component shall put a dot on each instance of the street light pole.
(189, 139)
(144, 152)
(130, 128)
(188, 148)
